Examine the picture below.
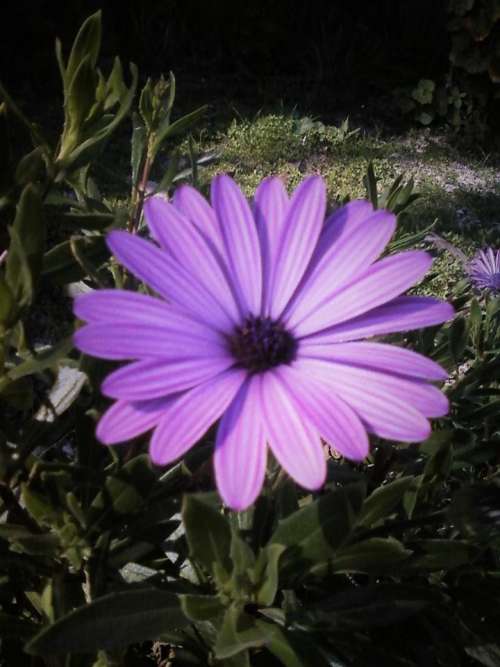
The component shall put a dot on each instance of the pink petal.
(270, 206)
(389, 406)
(380, 283)
(401, 314)
(115, 305)
(240, 449)
(426, 398)
(336, 422)
(195, 207)
(189, 417)
(380, 356)
(143, 340)
(348, 257)
(167, 277)
(291, 436)
(341, 223)
(175, 233)
(123, 420)
(301, 230)
(241, 240)
(153, 378)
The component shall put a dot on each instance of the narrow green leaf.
(7, 308)
(207, 532)
(60, 265)
(374, 556)
(382, 502)
(24, 260)
(31, 167)
(167, 130)
(113, 621)
(48, 358)
(320, 527)
(146, 105)
(87, 44)
(371, 185)
(270, 579)
(35, 544)
(441, 554)
(201, 607)
(138, 147)
(238, 632)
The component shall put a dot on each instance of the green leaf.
(35, 544)
(208, 533)
(383, 501)
(48, 358)
(90, 147)
(320, 527)
(138, 147)
(201, 607)
(7, 306)
(60, 265)
(441, 554)
(125, 491)
(146, 104)
(87, 44)
(270, 579)
(81, 98)
(242, 556)
(90, 221)
(375, 555)
(24, 260)
(167, 130)
(238, 632)
(280, 647)
(457, 338)
(113, 621)
(371, 185)
(31, 167)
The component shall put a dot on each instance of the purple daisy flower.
(258, 321)
(484, 269)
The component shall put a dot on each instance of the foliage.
(469, 96)
(109, 561)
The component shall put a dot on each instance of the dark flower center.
(261, 343)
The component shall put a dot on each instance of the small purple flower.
(257, 320)
(484, 269)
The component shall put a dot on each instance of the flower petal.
(383, 281)
(189, 417)
(270, 206)
(241, 240)
(153, 378)
(380, 356)
(336, 422)
(341, 223)
(348, 257)
(426, 398)
(301, 230)
(167, 277)
(176, 234)
(240, 449)
(145, 340)
(401, 314)
(389, 406)
(195, 207)
(291, 437)
(124, 420)
(116, 305)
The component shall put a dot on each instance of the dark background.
(337, 46)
